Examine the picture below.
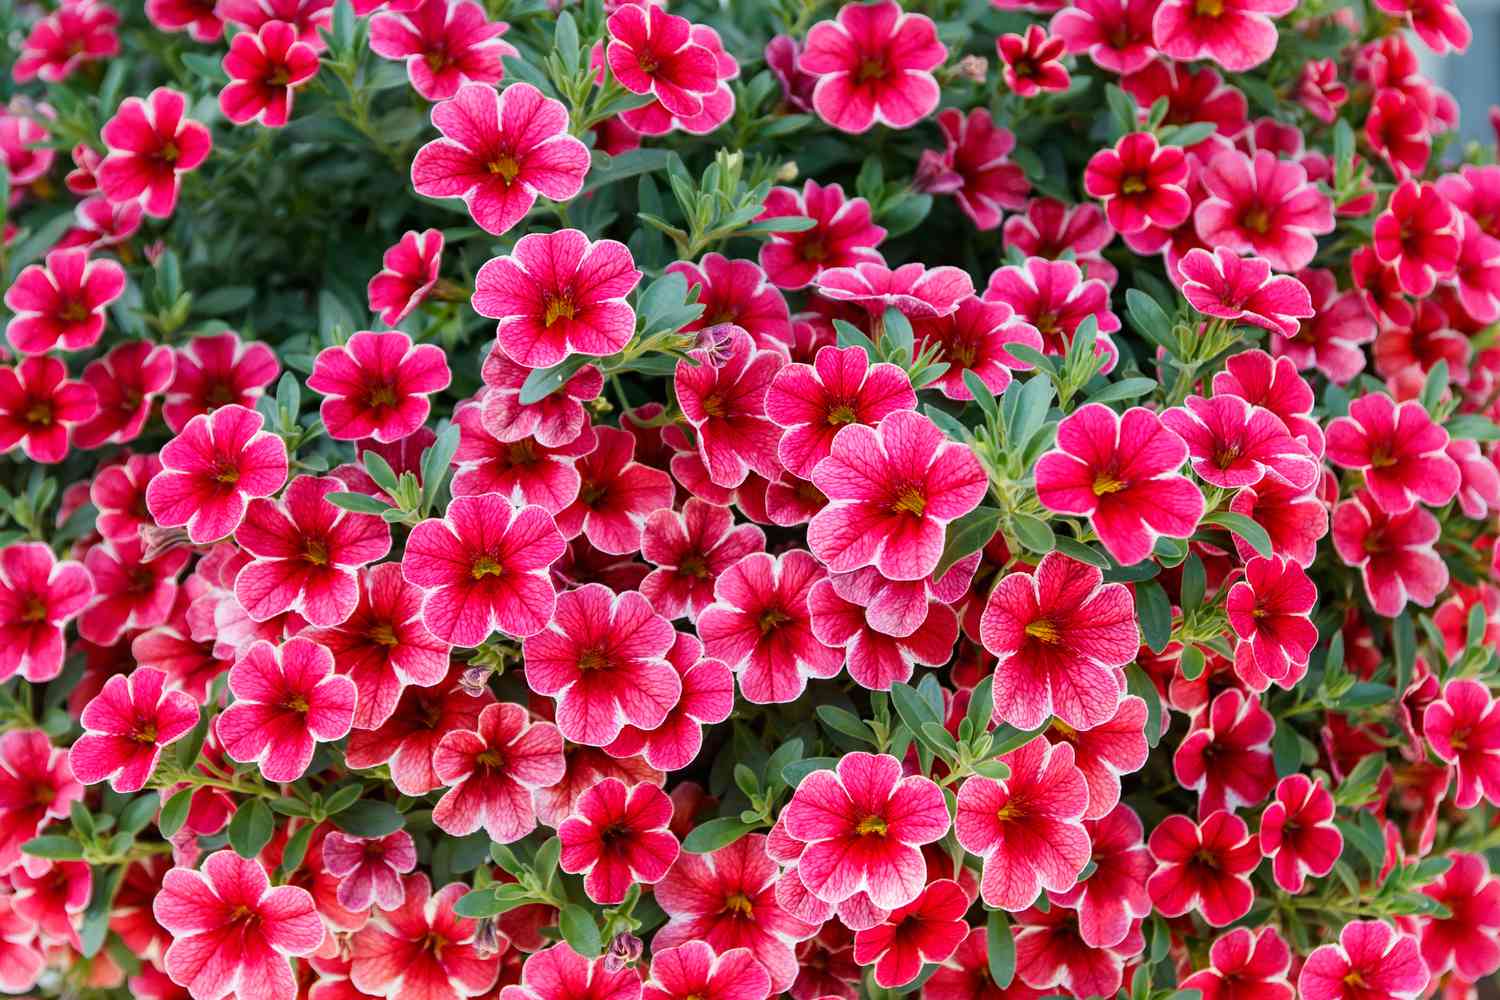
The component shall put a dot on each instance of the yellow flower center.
(1044, 630)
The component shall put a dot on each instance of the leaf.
(779, 224)
(967, 535)
(1154, 609)
(1192, 663)
(1286, 750)
(579, 930)
(1122, 106)
(1404, 641)
(714, 834)
(436, 461)
(1473, 427)
(543, 382)
(95, 926)
(206, 66)
(1138, 684)
(359, 503)
(1253, 534)
(842, 721)
(1075, 549)
(1033, 532)
(912, 707)
(251, 828)
(1128, 388)
(794, 772)
(296, 848)
(619, 168)
(138, 814)
(1031, 412)
(1001, 947)
(1194, 582)
(370, 818)
(1434, 387)
(53, 848)
(175, 813)
(1149, 318)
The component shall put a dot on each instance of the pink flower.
(602, 657)
(492, 770)
(560, 973)
(1269, 612)
(1479, 491)
(1237, 34)
(1204, 867)
(499, 152)
(966, 975)
(842, 236)
(287, 701)
(1371, 961)
(616, 494)
(1140, 183)
(1245, 963)
(1116, 34)
(126, 382)
(863, 825)
(725, 404)
(484, 567)
(151, 144)
(812, 402)
(265, 69)
(1467, 941)
(1033, 61)
(1106, 751)
(1418, 234)
(1114, 896)
(36, 786)
(130, 591)
(383, 646)
(690, 550)
(874, 63)
(309, 17)
(925, 931)
(1331, 339)
(62, 302)
(1399, 129)
(39, 407)
(38, 597)
(376, 385)
(737, 293)
(555, 421)
(653, 52)
(707, 697)
(917, 291)
(409, 271)
(875, 660)
(196, 17)
(974, 339)
(369, 870)
(62, 41)
(53, 895)
(1122, 473)
(1054, 297)
(407, 740)
(558, 294)
(1394, 552)
(617, 837)
(974, 166)
(523, 472)
(445, 45)
(718, 104)
(1320, 91)
(1400, 450)
(1297, 832)
(1463, 729)
(893, 489)
(1263, 206)
(212, 469)
(1233, 444)
(1028, 828)
(1062, 637)
(217, 370)
(232, 930)
(1439, 23)
(1226, 286)
(126, 726)
(1226, 758)
(422, 950)
(694, 969)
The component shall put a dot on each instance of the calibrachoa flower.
(1114, 896)
(1033, 61)
(1400, 450)
(653, 52)
(1116, 34)
(125, 728)
(211, 471)
(1237, 34)
(1468, 940)
(1245, 963)
(492, 770)
(62, 302)
(38, 597)
(1062, 636)
(1051, 952)
(1226, 759)
(974, 339)
(874, 64)
(737, 293)
(927, 930)
(423, 948)
(36, 786)
(40, 406)
(287, 701)
(1463, 729)
(126, 382)
(707, 697)
(693, 968)
(1140, 183)
(554, 422)
(917, 291)
(217, 370)
(265, 69)
(560, 973)
(152, 143)
(616, 494)
(1370, 959)
(617, 837)
(446, 43)
(725, 404)
(376, 385)
(1055, 298)
(369, 869)
(1263, 206)
(196, 17)
(60, 43)
(408, 274)
(232, 930)
(1225, 286)
(842, 234)
(876, 660)
(407, 741)
(1418, 235)
(1204, 867)
(499, 152)
(974, 166)
(1297, 832)
(690, 550)
(812, 402)
(1269, 612)
(1393, 552)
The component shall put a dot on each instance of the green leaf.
(1404, 642)
(1194, 582)
(175, 813)
(789, 751)
(296, 848)
(138, 813)
(1253, 534)
(714, 834)
(1075, 549)
(209, 67)
(779, 224)
(53, 848)
(342, 799)
(95, 926)
(543, 382)
(579, 930)
(1127, 388)
(1434, 387)
(912, 707)
(1122, 106)
(1031, 413)
(898, 332)
(846, 722)
(436, 461)
(251, 828)
(359, 503)
(1001, 947)
(1154, 609)
(1139, 684)
(794, 772)
(370, 818)
(966, 535)
(1286, 750)
(1187, 135)
(1149, 319)
(565, 41)
(1473, 427)
(1033, 532)
(610, 169)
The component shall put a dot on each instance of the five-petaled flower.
(491, 771)
(152, 143)
(125, 727)
(212, 469)
(287, 701)
(265, 68)
(62, 302)
(617, 837)
(873, 63)
(376, 385)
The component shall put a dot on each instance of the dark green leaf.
(359, 503)
(1154, 610)
(53, 848)
(370, 818)
(175, 813)
(251, 828)
(794, 772)
(714, 834)
(966, 535)
(1001, 948)
(579, 930)
(1253, 534)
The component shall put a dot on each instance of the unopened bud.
(973, 68)
(787, 172)
(624, 950)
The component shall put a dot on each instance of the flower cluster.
(643, 500)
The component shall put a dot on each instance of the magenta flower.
(376, 385)
(36, 786)
(877, 661)
(1273, 383)
(718, 104)
(1419, 235)
(1463, 729)
(445, 45)
(499, 152)
(1330, 341)
(62, 41)
(484, 567)
(1234, 444)
(1114, 897)
(309, 17)
(558, 294)
(217, 370)
(151, 143)
(616, 494)
(265, 69)
(974, 339)
(707, 698)
(927, 930)
(917, 291)
(212, 469)
(1141, 183)
(738, 293)
(1269, 612)
(1120, 471)
(556, 421)
(725, 404)
(130, 591)
(523, 472)
(492, 770)
(1116, 34)
(232, 930)
(874, 63)
(864, 825)
(618, 837)
(1297, 832)
(1028, 828)
(40, 406)
(1237, 34)
(842, 236)
(408, 273)
(653, 52)
(126, 382)
(369, 870)
(1226, 758)
(1226, 286)
(974, 166)
(1393, 552)
(38, 597)
(1033, 62)
(1204, 867)
(1054, 297)
(287, 701)
(560, 973)
(1062, 637)
(1263, 206)
(1400, 450)
(126, 725)
(1467, 941)
(1106, 751)
(1370, 961)
(422, 949)
(196, 17)
(62, 302)
(694, 969)
(1244, 963)
(690, 550)
(812, 402)
(892, 490)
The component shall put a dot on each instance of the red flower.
(1329, 341)
(1400, 131)
(1400, 450)
(233, 931)
(484, 567)
(1234, 444)
(1467, 941)
(38, 597)
(265, 69)
(560, 973)
(877, 661)
(725, 404)
(309, 17)
(408, 273)
(558, 294)
(617, 837)
(1051, 953)
(1054, 297)
(1418, 234)
(1140, 183)
(925, 931)
(693, 969)
(125, 728)
(966, 975)
(1050, 229)
(874, 63)
(1320, 91)
(1237, 34)
(917, 291)
(422, 950)
(1227, 758)
(1113, 898)
(217, 370)
(736, 293)
(1463, 729)
(974, 166)
(39, 406)
(1263, 206)
(499, 152)
(1269, 612)
(1370, 961)
(842, 235)
(62, 41)
(555, 421)
(151, 144)
(287, 701)
(1028, 828)
(1297, 832)
(36, 786)
(196, 17)
(524, 472)
(62, 302)
(126, 382)
(1204, 867)
(1439, 23)
(1394, 552)
(653, 52)
(1116, 34)
(408, 739)
(369, 870)
(445, 45)
(974, 339)
(492, 770)
(616, 495)
(1245, 965)
(212, 469)
(1033, 62)
(718, 105)
(690, 550)
(1223, 285)
(1106, 751)
(130, 591)
(376, 385)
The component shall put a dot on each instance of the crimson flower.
(725, 404)
(1116, 34)
(615, 496)
(1113, 897)
(1370, 961)
(1400, 450)
(1297, 832)
(1264, 206)
(1227, 286)
(560, 973)
(974, 166)
(62, 302)
(917, 291)
(126, 726)
(1463, 729)
(974, 339)
(1055, 298)
(38, 597)
(690, 550)
(1269, 612)
(1106, 751)
(694, 969)
(1418, 234)
(1237, 34)
(126, 382)
(927, 930)
(877, 661)
(1245, 964)
(408, 739)
(212, 469)
(196, 17)
(422, 950)
(1051, 953)
(1467, 941)
(873, 63)
(408, 273)
(376, 385)
(287, 701)
(265, 69)
(842, 235)
(1330, 341)
(1439, 23)
(1233, 444)
(151, 144)
(491, 771)
(217, 370)
(811, 403)
(617, 837)
(1204, 867)
(445, 43)
(555, 421)
(707, 697)
(1226, 759)
(1394, 552)
(653, 52)
(36, 786)
(65, 39)
(1033, 61)
(40, 406)
(738, 293)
